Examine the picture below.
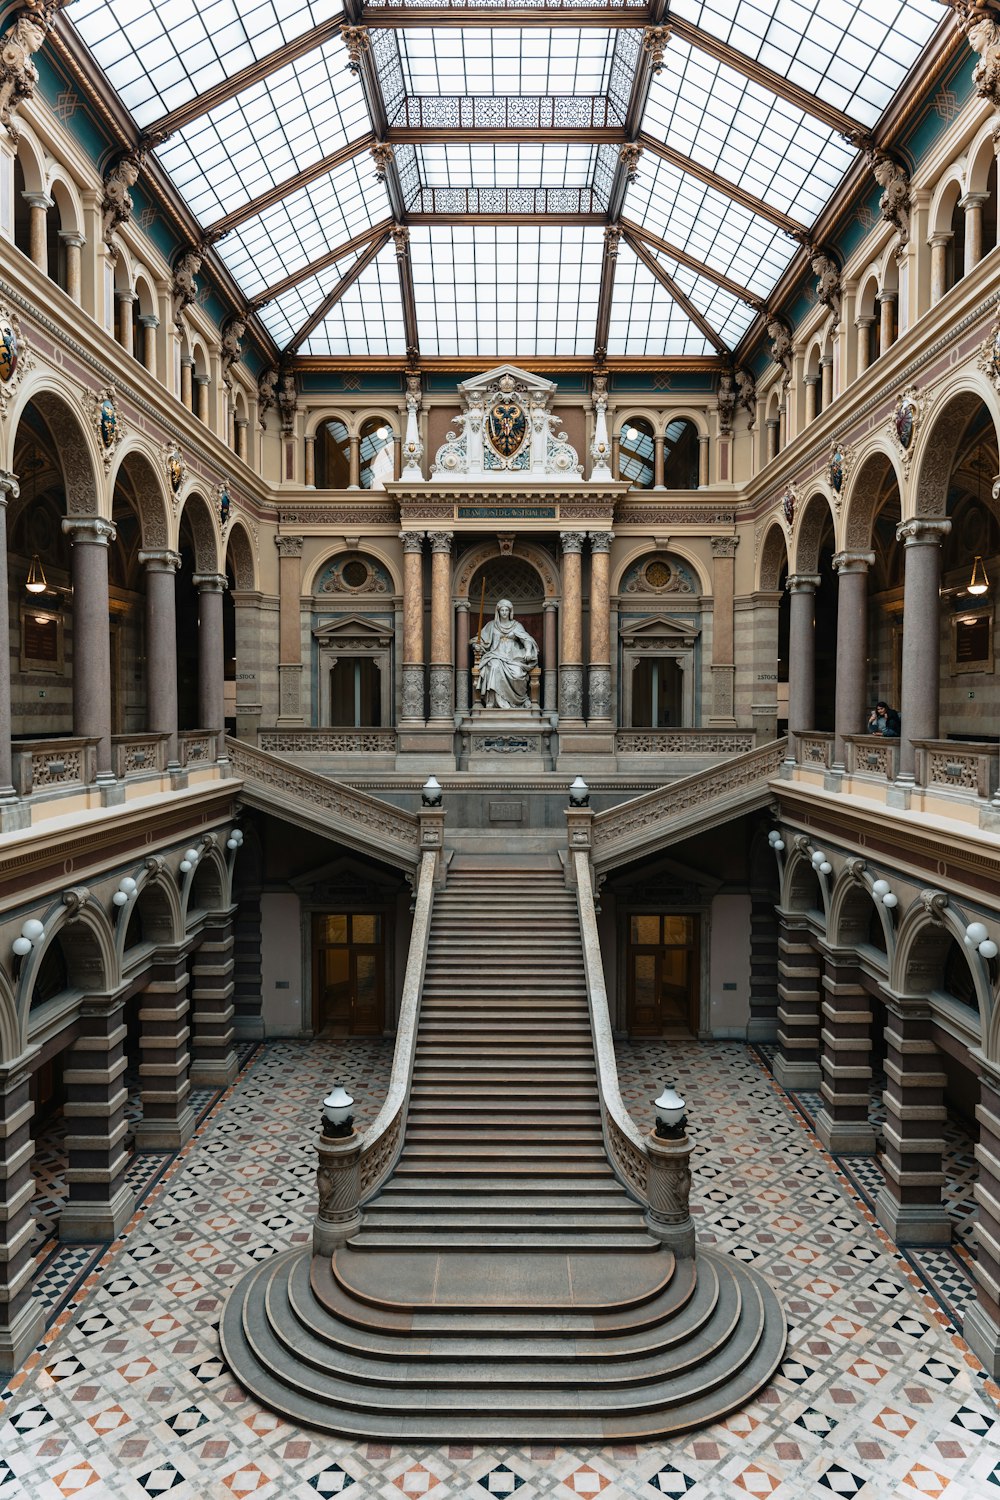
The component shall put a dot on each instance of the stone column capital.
(923, 531)
(10, 487)
(802, 583)
(413, 541)
(888, 295)
(864, 322)
(572, 541)
(73, 238)
(210, 583)
(160, 561)
(549, 606)
(772, 422)
(704, 439)
(149, 320)
(973, 200)
(724, 546)
(310, 437)
(187, 361)
(853, 562)
(94, 529)
(38, 200)
(826, 360)
(941, 238)
(600, 541)
(463, 606)
(125, 294)
(243, 422)
(289, 546)
(440, 541)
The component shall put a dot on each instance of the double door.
(663, 990)
(348, 974)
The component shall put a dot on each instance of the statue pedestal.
(497, 739)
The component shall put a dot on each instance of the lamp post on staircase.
(669, 1186)
(337, 1176)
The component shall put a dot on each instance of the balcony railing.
(962, 766)
(53, 764)
(684, 741)
(196, 747)
(138, 754)
(871, 757)
(815, 749)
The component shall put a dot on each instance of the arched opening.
(126, 598)
(333, 456)
(814, 556)
(196, 544)
(376, 453)
(55, 245)
(512, 578)
(680, 455)
(657, 687)
(956, 247)
(636, 452)
(22, 211)
(241, 631)
(990, 207)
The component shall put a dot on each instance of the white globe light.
(890, 900)
(128, 885)
(238, 835)
(825, 868)
(33, 930)
(989, 949)
(818, 858)
(21, 947)
(185, 866)
(779, 844)
(192, 855)
(880, 888)
(976, 932)
(231, 844)
(120, 899)
(773, 836)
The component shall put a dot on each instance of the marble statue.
(505, 656)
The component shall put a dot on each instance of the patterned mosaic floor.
(129, 1397)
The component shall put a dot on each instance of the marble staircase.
(504, 1283)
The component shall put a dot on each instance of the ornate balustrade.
(684, 741)
(871, 756)
(138, 754)
(196, 747)
(968, 768)
(50, 765)
(815, 748)
(327, 741)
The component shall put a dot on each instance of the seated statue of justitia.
(506, 657)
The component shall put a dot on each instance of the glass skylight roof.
(506, 259)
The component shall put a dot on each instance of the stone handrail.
(873, 755)
(382, 1142)
(196, 747)
(815, 748)
(684, 741)
(326, 741)
(623, 1140)
(48, 765)
(359, 820)
(138, 754)
(624, 831)
(963, 766)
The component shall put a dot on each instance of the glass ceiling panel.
(644, 317)
(286, 314)
(505, 166)
(536, 60)
(745, 133)
(286, 122)
(720, 233)
(468, 301)
(305, 225)
(853, 54)
(159, 56)
(368, 319)
(725, 313)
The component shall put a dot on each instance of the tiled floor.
(128, 1397)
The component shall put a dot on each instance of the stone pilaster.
(550, 672)
(852, 646)
(22, 1320)
(801, 656)
(441, 684)
(797, 1065)
(842, 1123)
(413, 627)
(571, 648)
(100, 1202)
(161, 646)
(599, 669)
(921, 674)
(167, 1117)
(981, 1329)
(91, 637)
(213, 1054)
(289, 630)
(909, 1204)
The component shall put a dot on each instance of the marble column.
(783, 425)
(908, 1205)
(801, 656)
(842, 1122)
(9, 490)
(462, 656)
(289, 629)
(703, 462)
(100, 1202)
(864, 327)
(187, 381)
(550, 672)
(972, 203)
(213, 1054)
(442, 672)
(657, 462)
(149, 323)
(939, 244)
(921, 674)
(812, 394)
(73, 244)
(571, 645)
(771, 429)
(211, 657)
(413, 627)
(354, 480)
(852, 647)
(310, 476)
(721, 712)
(39, 205)
(887, 314)
(161, 646)
(125, 298)
(799, 1000)
(242, 425)
(201, 385)
(826, 376)
(981, 1328)
(599, 668)
(22, 1318)
(165, 1064)
(91, 637)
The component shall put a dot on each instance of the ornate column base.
(599, 695)
(912, 1223)
(571, 694)
(722, 715)
(339, 1185)
(412, 707)
(441, 692)
(669, 1188)
(290, 694)
(81, 1223)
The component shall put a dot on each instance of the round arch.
(864, 488)
(319, 419)
(470, 562)
(813, 518)
(206, 888)
(157, 900)
(869, 292)
(799, 885)
(31, 158)
(10, 1031)
(64, 191)
(940, 438)
(241, 556)
(648, 548)
(201, 519)
(87, 494)
(148, 489)
(926, 931)
(368, 548)
(773, 557)
(84, 931)
(851, 907)
(945, 197)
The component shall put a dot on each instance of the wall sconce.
(978, 583)
(977, 936)
(882, 892)
(31, 933)
(189, 861)
(820, 863)
(126, 890)
(775, 840)
(235, 839)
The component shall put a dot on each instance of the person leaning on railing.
(884, 721)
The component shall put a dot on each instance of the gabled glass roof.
(507, 140)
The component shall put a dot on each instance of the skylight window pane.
(852, 54)
(159, 56)
(644, 317)
(505, 166)
(484, 61)
(288, 313)
(721, 309)
(368, 319)
(281, 125)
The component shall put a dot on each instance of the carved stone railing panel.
(683, 741)
(196, 747)
(871, 755)
(623, 829)
(362, 820)
(956, 766)
(815, 748)
(326, 741)
(382, 1142)
(48, 765)
(138, 754)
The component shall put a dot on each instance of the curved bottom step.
(424, 1368)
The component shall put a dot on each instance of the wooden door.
(348, 974)
(662, 989)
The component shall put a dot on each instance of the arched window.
(990, 210)
(680, 455)
(22, 212)
(635, 452)
(376, 453)
(956, 247)
(333, 456)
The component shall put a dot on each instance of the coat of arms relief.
(507, 427)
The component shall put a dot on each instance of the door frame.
(703, 948)
(365, 909)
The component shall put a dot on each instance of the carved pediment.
(662, 629)
(343, 882)
(507, 430)
(353, 628)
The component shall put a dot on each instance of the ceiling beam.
(332, 298)
(612, 235)
(694, 264)
(315, 266)
(401, 239)
(673, 290)
(593, 220)
(398, 17)
(454, 363)
(430, 135)
(728, 189)
(274, 195)
(245, 78)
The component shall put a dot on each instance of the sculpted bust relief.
(505, 656)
